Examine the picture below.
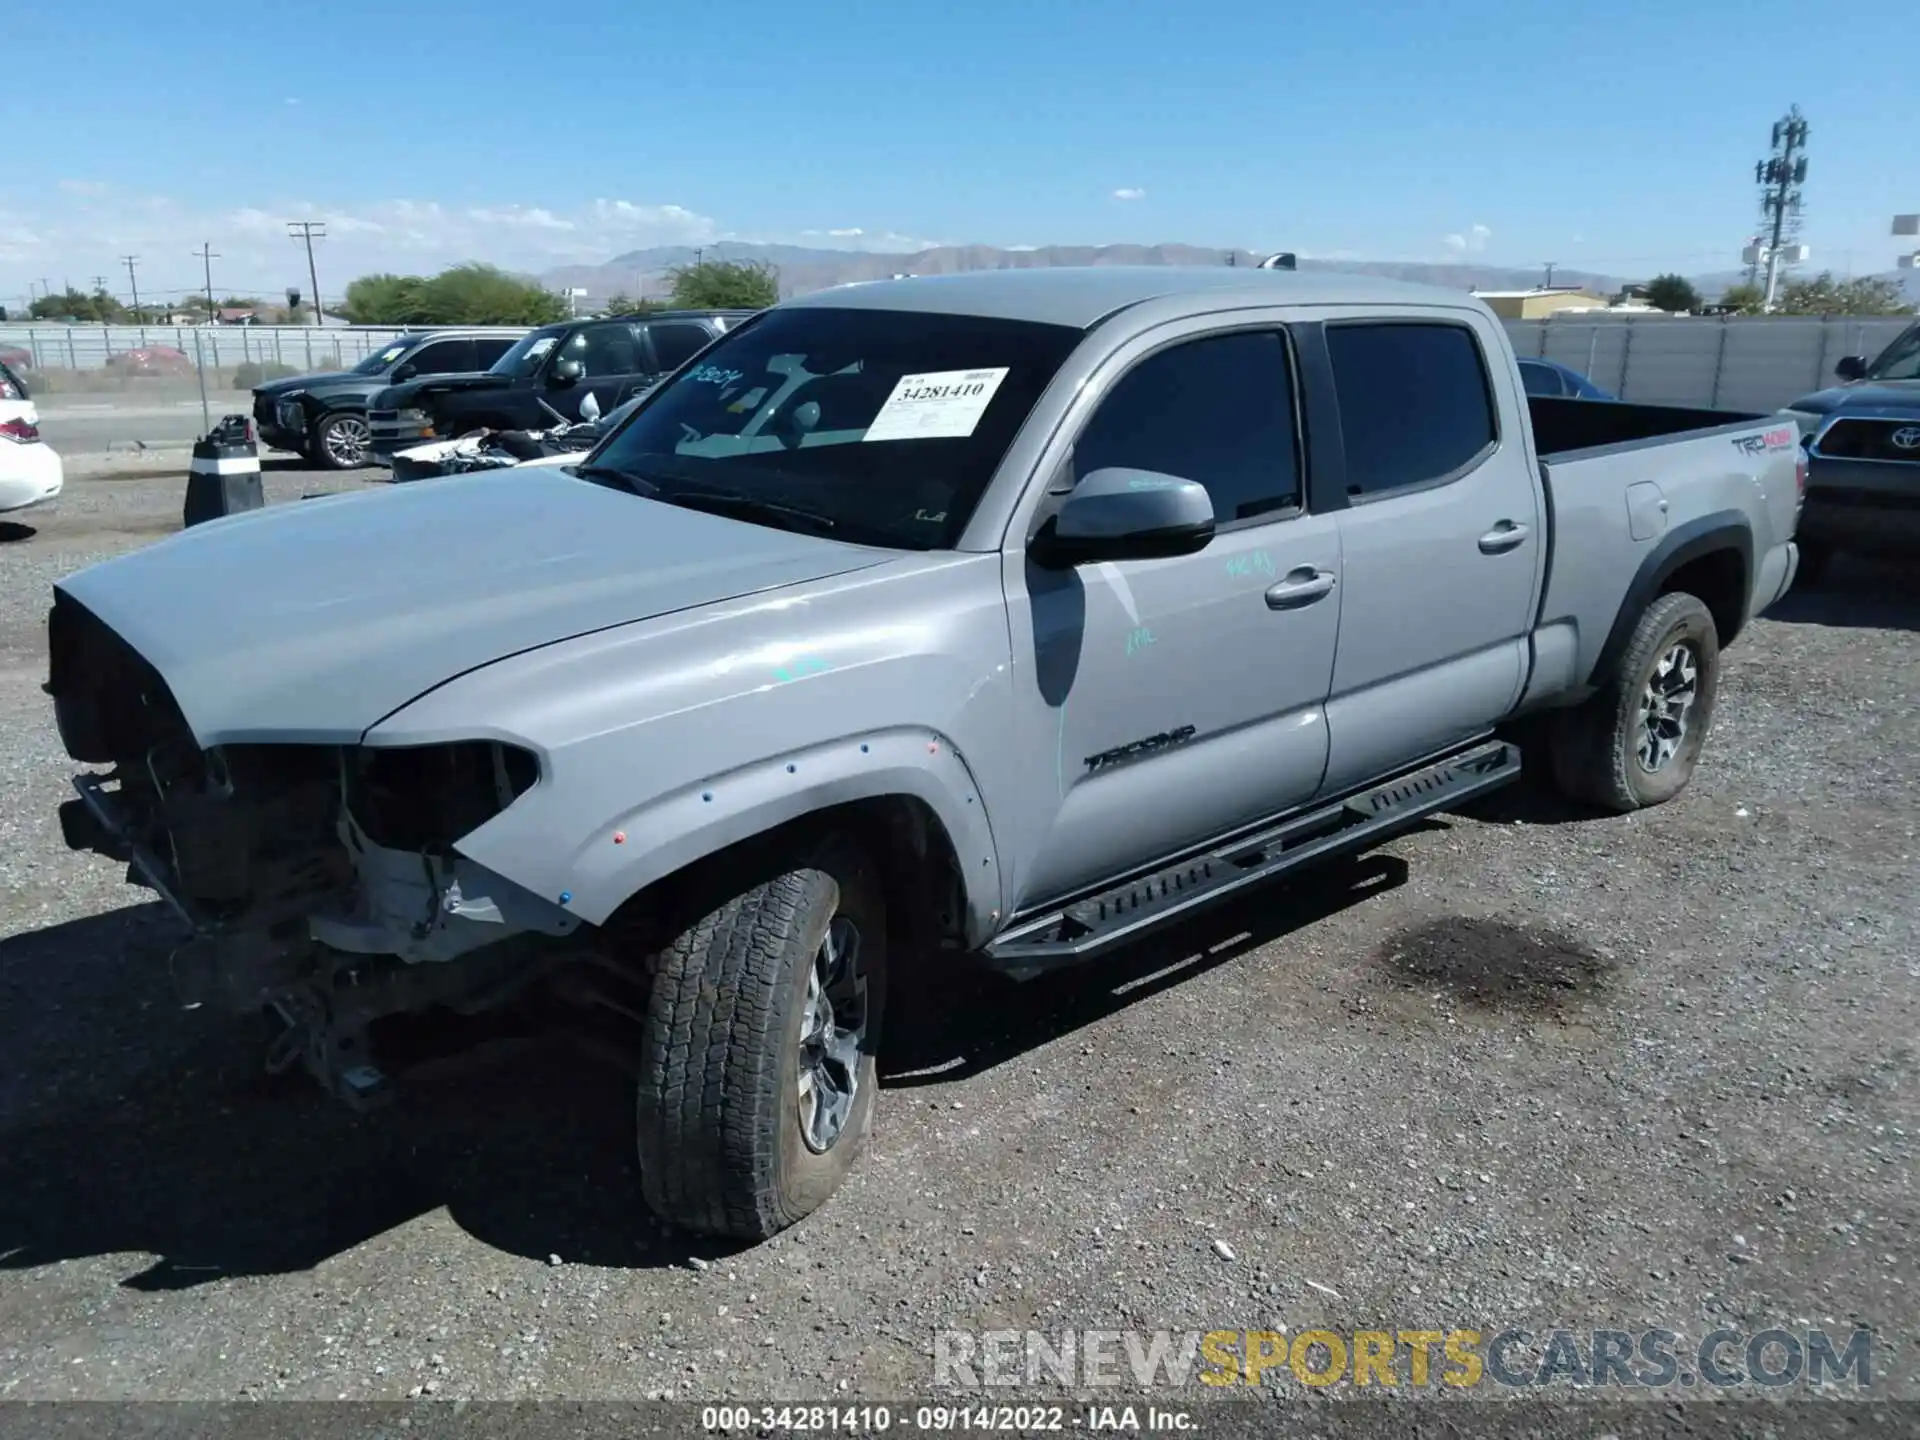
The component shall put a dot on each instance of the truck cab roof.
(1083, 296)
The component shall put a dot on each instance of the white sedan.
(30, 471)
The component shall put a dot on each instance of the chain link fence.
(167, 361)
(1743, 362)
(1735, 363)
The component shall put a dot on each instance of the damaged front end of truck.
(321, 881)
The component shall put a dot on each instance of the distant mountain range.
(644, 274)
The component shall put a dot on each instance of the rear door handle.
(1301, 587)
(1502, 538)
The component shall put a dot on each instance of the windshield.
(381, 359)
(886, 425)
(1900, 360)
(527, 353)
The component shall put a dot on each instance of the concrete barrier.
(224, 475)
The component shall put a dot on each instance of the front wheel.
(341, 442)
(1635, 742)
(757, 1062)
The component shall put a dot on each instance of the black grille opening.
(426, 797)
(1870, 440)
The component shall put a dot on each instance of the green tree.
(627, 305)
(385, 300)
(1743, 299)
(1823, 295)
(725, 285)
(1673, 293)
(70, 304)
(464, 295)
(485, 295)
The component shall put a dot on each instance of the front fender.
(596, 870)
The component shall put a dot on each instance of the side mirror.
(1851, 367)
(567, 372)
(1119, 514)
(404, 372)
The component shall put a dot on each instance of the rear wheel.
(757, 1078)
(341, 442)
(1635, 742)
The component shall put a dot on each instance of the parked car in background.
(1019, 613)
(1863, 447)
(151, 360)
(16, 359)
(323, 416)
(30, 470)
(542, 381)
(1551, 378)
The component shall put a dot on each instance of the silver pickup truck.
(1008, 615)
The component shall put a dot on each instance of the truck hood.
(319, 380)
(311, 622)
(412, 392)
(1862, 394)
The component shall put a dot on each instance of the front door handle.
(1502, 538)
(1301, 587)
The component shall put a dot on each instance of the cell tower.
(1779, 177)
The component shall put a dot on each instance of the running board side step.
(1100, 922)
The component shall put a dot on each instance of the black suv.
(1863, 451)
(324, 416)
(543, 380)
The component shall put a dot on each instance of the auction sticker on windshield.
(942, 404)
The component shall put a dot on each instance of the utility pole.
(133, 284)
(207, 256)
(1779, 177)
(310, 231)
(1549, 281)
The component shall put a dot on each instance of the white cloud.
(79, 226)
(1472, 243)
(1130, 192)
(293, 100)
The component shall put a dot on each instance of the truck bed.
(1561, 427)
(1618, 476)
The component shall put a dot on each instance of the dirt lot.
(1527, 1068)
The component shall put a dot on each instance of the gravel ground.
(1523, 1068)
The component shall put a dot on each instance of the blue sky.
(1620, 138)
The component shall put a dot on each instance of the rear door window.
(443, 357)
(1416, 405)
(1541, 379)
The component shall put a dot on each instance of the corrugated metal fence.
(305, 347)
(1739, 363)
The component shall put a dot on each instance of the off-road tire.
(720, 1138)
(1595, 745)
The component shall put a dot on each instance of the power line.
(309, 231)
(207, 256)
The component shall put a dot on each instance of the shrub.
(256, 372)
